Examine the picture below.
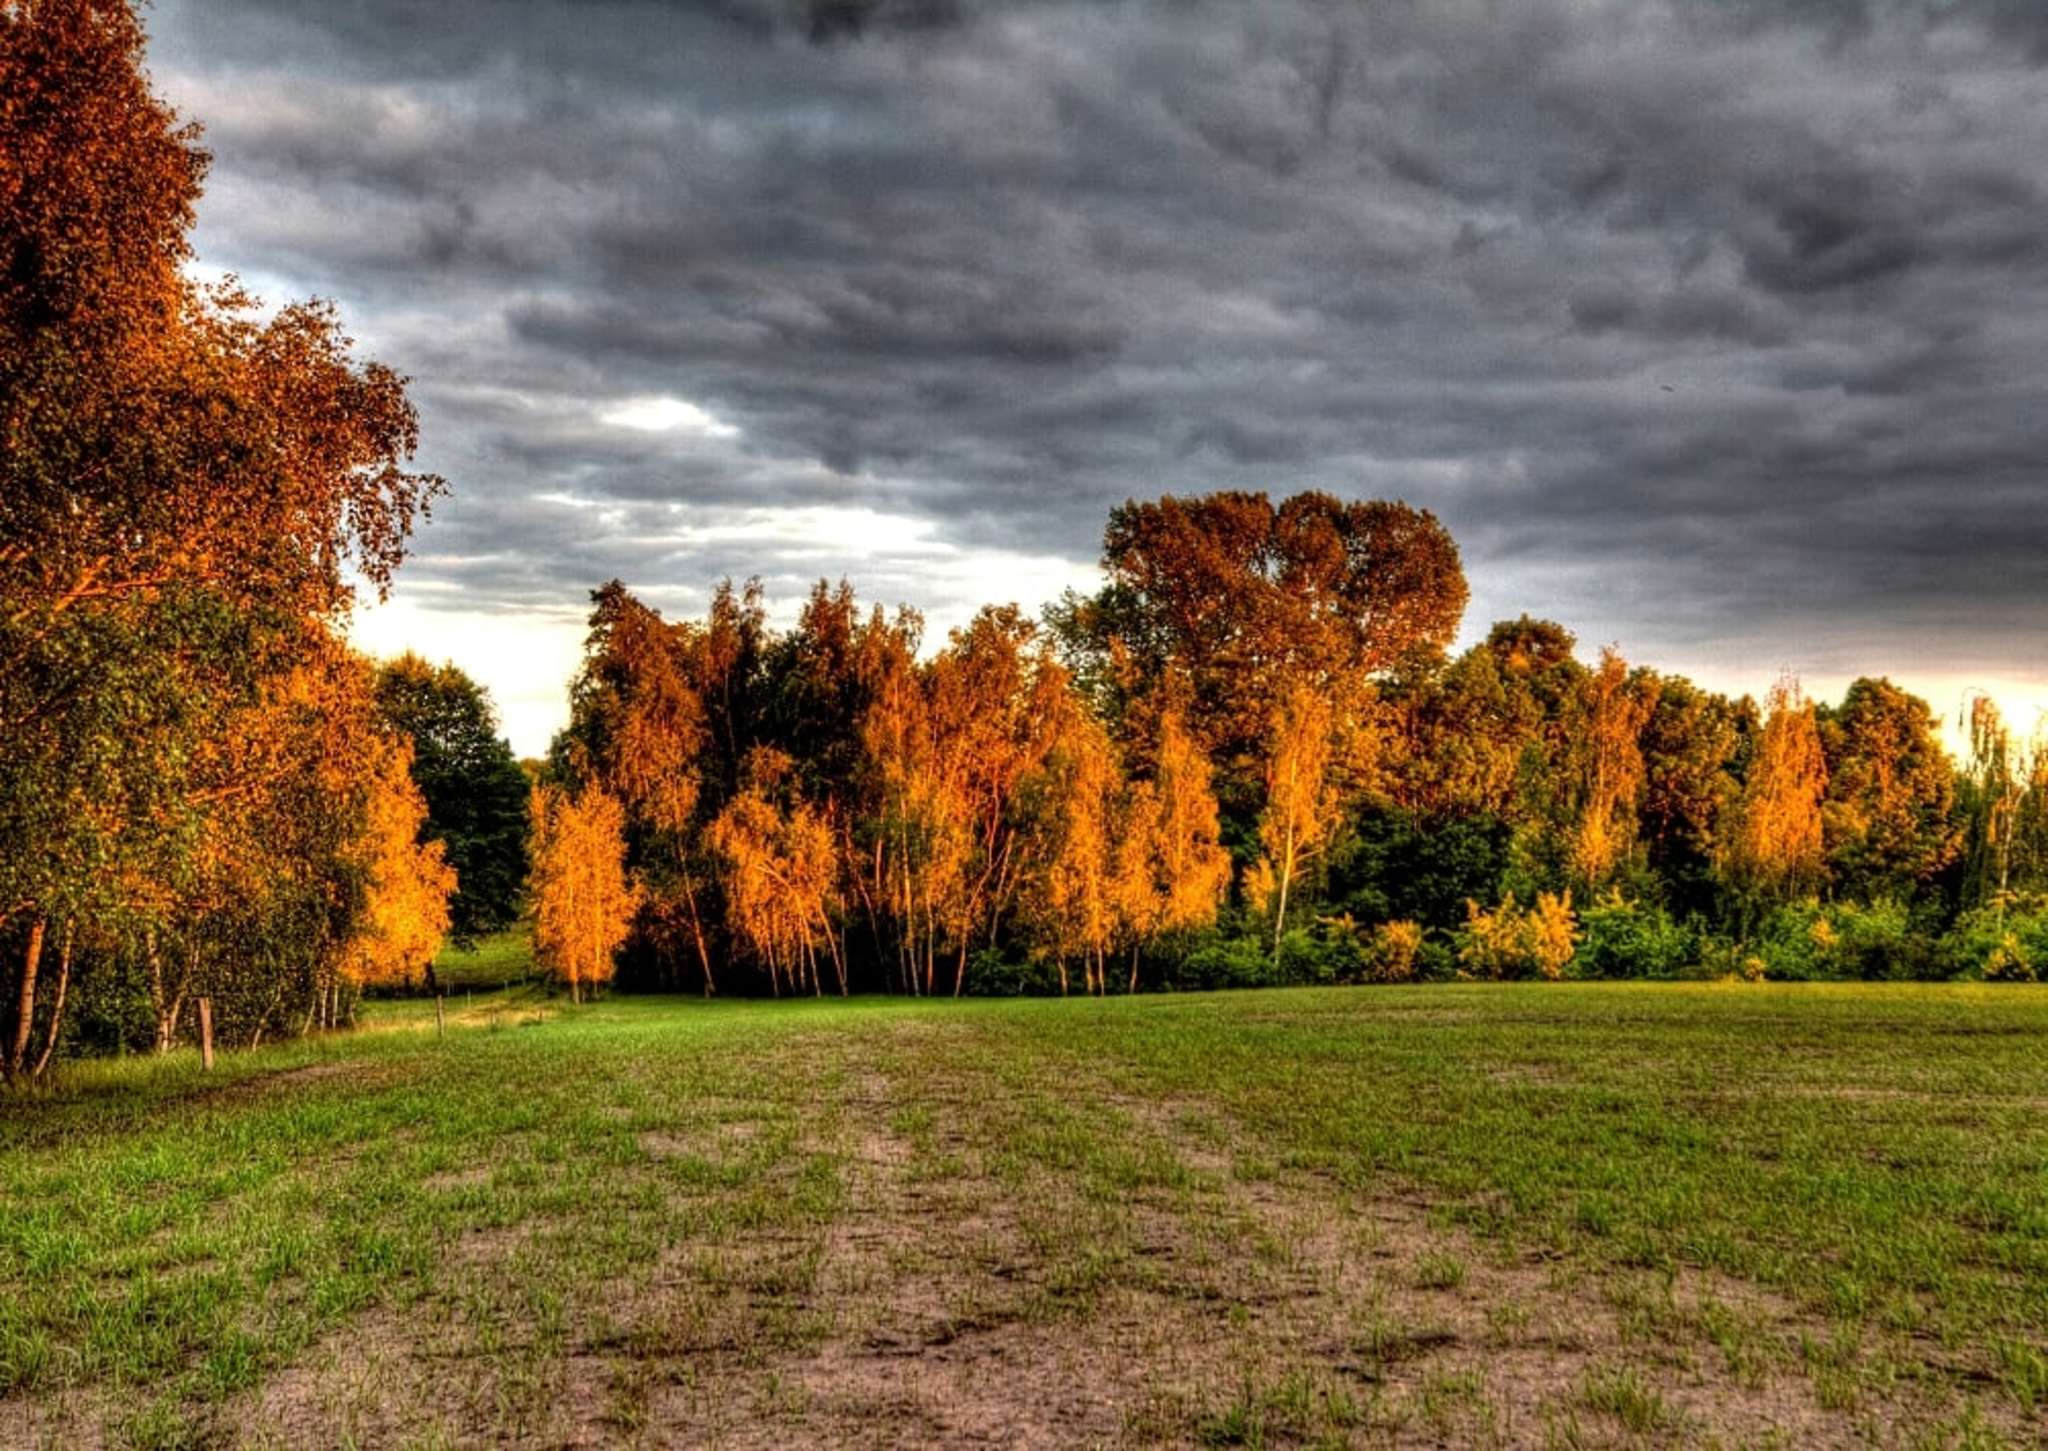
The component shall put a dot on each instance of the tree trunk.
(25, 1007)
(697, 931)
(960, 969)
(1063, 976)
(1280, 917)
(1134, 967)
(57, 1007)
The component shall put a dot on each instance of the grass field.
(1562, 1215)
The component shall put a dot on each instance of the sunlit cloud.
(666, 415)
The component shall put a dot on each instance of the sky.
(1717, 332)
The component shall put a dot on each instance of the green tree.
(475, 792)
(1889, 815)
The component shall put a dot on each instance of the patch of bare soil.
(292, 1080)
(55, 1423)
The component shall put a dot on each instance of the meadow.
(1543, 1214)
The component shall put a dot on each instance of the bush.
(2006, 943)
(1630, 939)
(1513, 941)
(1307, 959)
(1806, 941)
(991, 974)
(1722, 959)
(1228, 962)
(1395, 952)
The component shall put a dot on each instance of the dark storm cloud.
(1708, 328)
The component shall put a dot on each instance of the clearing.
(1453, 1215)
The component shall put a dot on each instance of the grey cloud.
(1698, 324)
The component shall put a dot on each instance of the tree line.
(1250, 758)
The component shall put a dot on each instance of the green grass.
(499, 960)
(1466, 1213)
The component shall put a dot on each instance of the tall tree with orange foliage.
(582, 899)
(1776, 848)
(1171, 871)
(1607, 757)
(1225, 601)
(781, 876)
(1302, 803)
(407, 881)
(1069, 800)
(639, 729)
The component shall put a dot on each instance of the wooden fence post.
(206, 1034)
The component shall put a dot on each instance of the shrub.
(1228, 962)
(1512, 941)
(1802, 941)
(1437, 961)
(1396, 948)
(1722, 959)
(992, 974)
(1630, 939)
(2000, 943)
(1310, 958)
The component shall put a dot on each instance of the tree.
(582, 900)
(639, 728)
(1607, 753)
(475, 792)
(1689, 786)
(1219, 604)
(407, 881)
(1301, 800)
(781, 875)
(1069, 801)
(1888, 818)
(2004, 806)
(1776, 848)
(1171, 872)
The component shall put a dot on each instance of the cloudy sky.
(1717, 331)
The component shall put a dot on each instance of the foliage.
(1888, 817)
(188, 489)
(780, 881)
(1802, 941)
(2005, 941)
(407, 882)
(475, 791)
(1776, 847)
(1620, 937)
(1396, 951)
(582, 900)
(1511, 941)
(1301, 798)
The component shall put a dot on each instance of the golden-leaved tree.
(1302, 802)
(189, 490)
(1607, 748)
(582, 898)
(780, 876)
(1070, 801)
(1776, 847)
(406, 882)
(1171, 869)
